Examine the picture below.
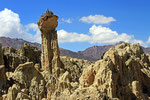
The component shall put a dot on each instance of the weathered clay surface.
(123, 73)
(75, 67)
(32, 53)
(13, 57)
(28, 83)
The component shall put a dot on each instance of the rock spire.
(50, 57)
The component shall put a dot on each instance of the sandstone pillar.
(50, 57)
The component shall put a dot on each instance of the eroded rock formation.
(50, 51)
(13, 57)
(123, 73)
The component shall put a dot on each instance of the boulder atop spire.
(48, 21)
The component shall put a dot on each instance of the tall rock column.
(50, 57)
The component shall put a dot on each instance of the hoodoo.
(50, 57)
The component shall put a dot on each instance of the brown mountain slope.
(16, 43)
(93, 53)
(64, 52)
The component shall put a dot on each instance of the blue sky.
(131, 17)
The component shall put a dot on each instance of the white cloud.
(65, 36)
(148, 41)
(10, 26)
(10, 22)
(37, 35)
(66, 20)
(104, 35)
(140, 42)
(98, 34)
(97, 19)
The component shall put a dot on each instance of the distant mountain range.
(92, 53)
(16, 43)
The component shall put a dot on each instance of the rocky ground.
(123, 73)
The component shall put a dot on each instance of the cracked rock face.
(123, 73)
(50, 57)
(12, 57)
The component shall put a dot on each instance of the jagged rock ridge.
(123, 73)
